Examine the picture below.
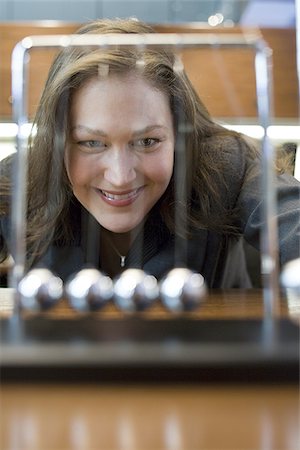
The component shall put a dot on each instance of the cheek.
(160, 170)
(159, 175)
(79, 169)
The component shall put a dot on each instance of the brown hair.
(207, 144)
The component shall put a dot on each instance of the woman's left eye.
(146, 142)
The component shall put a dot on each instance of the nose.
(120, 168)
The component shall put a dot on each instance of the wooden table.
(90, 417)
(206, 416)
(221, 304)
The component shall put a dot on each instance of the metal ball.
(40, 289)
(135, 290)
(290, 276)
(182, 290)
(89, 290)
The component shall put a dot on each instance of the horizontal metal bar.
(186, 40)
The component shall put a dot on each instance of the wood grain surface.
(224, 78)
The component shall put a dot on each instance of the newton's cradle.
(176, 346)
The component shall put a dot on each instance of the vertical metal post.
(180, 177)
(19, 193)
(269, 233)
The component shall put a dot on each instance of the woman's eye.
(92, 145)
(146, 142)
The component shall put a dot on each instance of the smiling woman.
(120, 154)
(127, 164)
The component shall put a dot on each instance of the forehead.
(132, 80)
(130, 90)
(117, 102)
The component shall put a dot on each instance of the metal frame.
(263, 69)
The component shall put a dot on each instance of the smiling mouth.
(125, 196)
(120, 199)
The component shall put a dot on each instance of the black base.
(133, 349)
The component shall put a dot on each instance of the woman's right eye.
(92, 145)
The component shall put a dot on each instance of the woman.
(113, 126)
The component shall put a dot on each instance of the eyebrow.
(102, 133)
(88, 129)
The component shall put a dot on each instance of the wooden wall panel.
(10, 34)
(225, 89)
(286, 87)
(224, 78)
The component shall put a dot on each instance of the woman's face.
(120, 153)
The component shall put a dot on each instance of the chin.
(116, 228)
(121, 228)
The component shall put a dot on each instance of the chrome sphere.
(135, 290)
(182, 290)
(290, 276)
(40, 289)
(89, 290)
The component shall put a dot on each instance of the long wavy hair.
(207, 144)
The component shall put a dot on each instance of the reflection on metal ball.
(89, 290)
(40, 289)
(182, 290)
(290, 276)
(135, 290)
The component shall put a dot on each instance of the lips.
(119, 198)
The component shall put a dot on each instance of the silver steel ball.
(290, 277)
(89, 290)
(135, 290)
(182, 290)
(40, 289)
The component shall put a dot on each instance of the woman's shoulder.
(230, 152)
(236, 147)
(6, 167)
(238, 157)
(6, 179)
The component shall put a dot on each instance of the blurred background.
(224, 79)
(271, 13)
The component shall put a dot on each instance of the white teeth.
(119, 196)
